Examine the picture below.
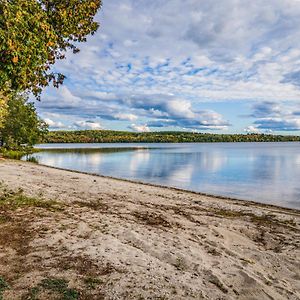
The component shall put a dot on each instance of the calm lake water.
(263, 172)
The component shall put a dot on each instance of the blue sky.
(229, 66)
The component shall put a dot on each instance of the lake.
(263, 172)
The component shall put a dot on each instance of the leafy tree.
(36, 33)
(22, 124)
(109, 136)
(3, 108)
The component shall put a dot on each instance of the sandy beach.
(68, 235)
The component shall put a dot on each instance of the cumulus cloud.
(88, 125)
(53, 124)
(251, 129)
(279, 124)
(293, 78)
(192, 52)
(126, 117)
(139, 128)
(152, 63)
(204, 120)
(272, 116)
(160, 110)
(266, 109)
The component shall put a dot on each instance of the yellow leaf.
(15, 59)
(49, 44)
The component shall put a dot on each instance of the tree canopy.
(3, 108)
(22, 124)
(36, 33)
(109, 136)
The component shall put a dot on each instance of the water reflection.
(265, 172)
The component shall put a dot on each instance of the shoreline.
(96, 237)
(242, 202)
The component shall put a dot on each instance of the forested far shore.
(109, 136)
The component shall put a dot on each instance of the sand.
(106, 238)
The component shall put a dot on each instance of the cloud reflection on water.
(258, 171)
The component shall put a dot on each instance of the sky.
(229, 66)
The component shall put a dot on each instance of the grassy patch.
(151, 218)
(3, 286)
(17, 154)
(57, 286)
(13, 154)
(4, 219)
(85, 266)
(95, 205)
(92, 283)
(228, 213)
(12, 200)
(17, 235)
(32, 159)
(260, 220)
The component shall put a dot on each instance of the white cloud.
(160, 110)
(88, 125)
(266, 45)
(126, 117)
(271, 116)
(279, 124)
(149, 60)
(251, 129)
(53, 124)
(140, 128)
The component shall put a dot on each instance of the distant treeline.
(109, 136)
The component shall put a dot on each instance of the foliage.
(18, 154)
(32, 159)
(55, 286)
(92, 283)
(22, 126)
(3, 286)
(36, 33)
(12, 200)
(3, 108)
(107, 136)
(13, 154)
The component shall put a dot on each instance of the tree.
(22, 124)
(3, 108)
(36, 33)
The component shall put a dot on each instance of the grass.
(13, 200)
(13, 154)
(92, 283)
(263, 220)
(32, 159)
(17, 154)
(57, 286)
(151, 218)
(3, 286)
(4, 219)
(95, 205)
